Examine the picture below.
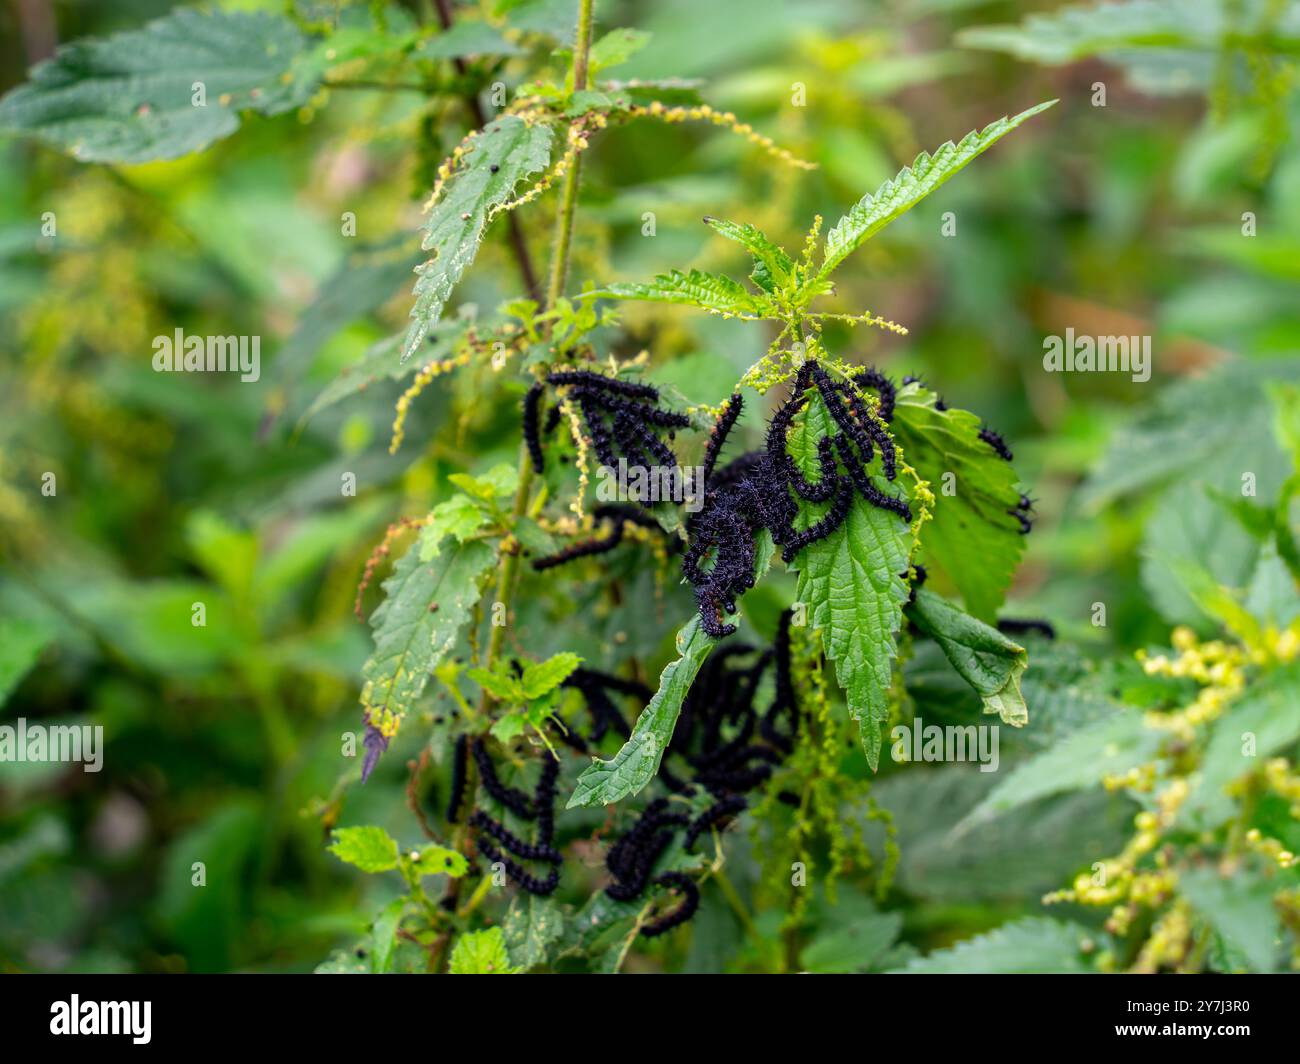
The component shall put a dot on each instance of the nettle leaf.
(970, 538)
(1241, 911)
(532, 927)
(852, 582)
(482, 953)
(708, 291)
(464, 39)
(458, 517)
(129, 98)
(498, 157)
(615, 48)
(1108, 748)
(772, 266)
(21, 643)
(416, 624)
(370, 849)
(1034, 945)
(637, 762)
(985, 658)
(438, 861)
(911, 185)
(541, 677)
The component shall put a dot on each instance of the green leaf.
(497, 158)
(911, 185)
(465, 39)
(439, 861)
(542, 676)
(383, 936)
(1240, 910)
(772, 266)
(1083, 759)
(416, 624)
(1264, 720)
(497, 483)
(635, 765)
(482, 953)
(616, 47)
(856, 936)
(1032, 946)
(499, 685)
(21, 643)
(852, 582)
(970, 538)
(459, 517)
(128, 98)
(370, 849)
(532, 926)
(986, 659)
(1193, 424)
(712, 292)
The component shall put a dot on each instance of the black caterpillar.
(728, 748)
(538, 807)
(620, 418)
(760, 490)
(619, 515)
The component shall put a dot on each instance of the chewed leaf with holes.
(130, 98)
(425, 605)
(970, 537)
(911, 185)
(986, 659)
(851, 582)
(497, 158)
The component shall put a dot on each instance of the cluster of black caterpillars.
(757, 491)
(723, 745)
(723, 748)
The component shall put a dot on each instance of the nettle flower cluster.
(1210, 803)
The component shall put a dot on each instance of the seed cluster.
(761, 490)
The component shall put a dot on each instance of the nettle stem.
(509, 565)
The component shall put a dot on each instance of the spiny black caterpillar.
(619, 416)
(1023, 513)
(729, 747)
(539, 807)
(760, 490)
(619, 515)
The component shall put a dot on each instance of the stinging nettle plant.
(842, 489)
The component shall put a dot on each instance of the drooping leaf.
(851, 580)
(497, 158)
(970, 538)
(635, 765)
(383, 936)
(129, 98)
(370, 849)
(482, 953)
(986, 659)
(712, 292)
(1032, 946)
(616, 47)
(911, 185)
(425, 606)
